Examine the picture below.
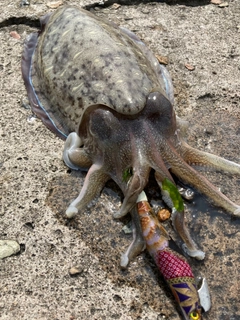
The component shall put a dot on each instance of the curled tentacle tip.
(197, 254)
(71, 212)
(67, 161)
(237, 212)
(120, 213)
(124, 260)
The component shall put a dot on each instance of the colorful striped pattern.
(178, 274)
(173, 266)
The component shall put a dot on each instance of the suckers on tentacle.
(173, 266)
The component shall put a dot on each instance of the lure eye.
(194, 315)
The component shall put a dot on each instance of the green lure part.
(174, 194)
(127, 174)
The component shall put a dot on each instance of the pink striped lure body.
(173, 266)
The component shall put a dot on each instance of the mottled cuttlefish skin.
(82, 61)
(99, 87)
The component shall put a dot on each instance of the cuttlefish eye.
(103, 123)
(194, 315)
(159, 111)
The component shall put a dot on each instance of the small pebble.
(223, 5)
(162, 59)
(15, 35)
(75, 271)
(54, 5)
(32, 118)
(127, 229)
(24, 3)
(116, 6)
(8, 248)
(145, 11)
(216, 1)
(189, 67)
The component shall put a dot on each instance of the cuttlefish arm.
(172, 197)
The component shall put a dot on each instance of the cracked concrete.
(36, 186)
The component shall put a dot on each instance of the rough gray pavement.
(36, 186)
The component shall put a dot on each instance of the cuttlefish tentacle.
(172, 197)
(93, 184)
(194, 156)
(74, 156)
(178, 216)
(138, 243)
(189, 246)
(161, 171)
(185, 172)
(134, 187)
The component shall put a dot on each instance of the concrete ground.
(36, 186)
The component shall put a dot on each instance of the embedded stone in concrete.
(8, 248)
